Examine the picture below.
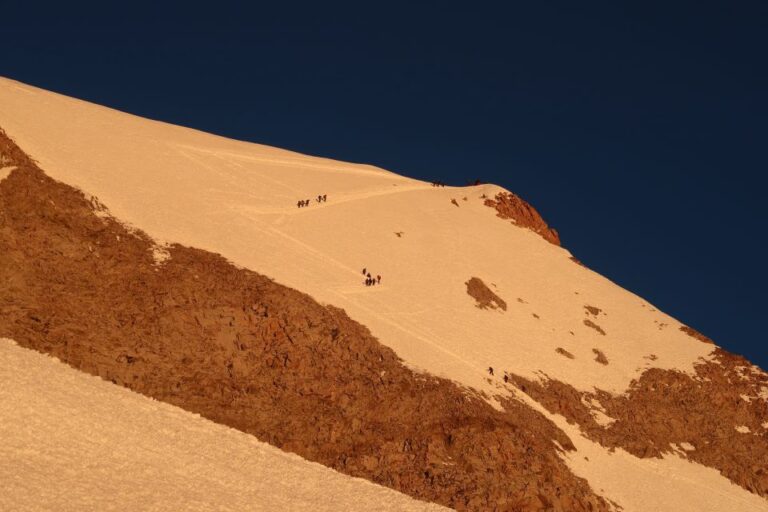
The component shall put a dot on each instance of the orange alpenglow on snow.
(177, 264)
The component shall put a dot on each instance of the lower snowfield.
(71, 441)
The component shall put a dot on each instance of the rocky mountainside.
(484, 371)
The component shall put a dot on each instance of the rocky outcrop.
(11, 154)
(483, 295)
(720, 415)
(589, 323)
(577, 261)
(195, 331)
(600, 356)
(693, 333)
(592, 310)
(511, 206)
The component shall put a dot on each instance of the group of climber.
(470, 183)
(369, 279)
(305, 202)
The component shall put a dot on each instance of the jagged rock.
(511, 206)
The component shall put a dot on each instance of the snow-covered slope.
(239, 199)
(71, 441)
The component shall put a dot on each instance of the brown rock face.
(600, 356)
(242, 350)
(484, 296)
(512, 206)
(592, 310)
(577, 261)
(665, 407)
(593, 325)
(690, 331)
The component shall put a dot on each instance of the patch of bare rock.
(485, 297)
(239, 349)
(690, 331)
(600, 356)
(592, 310)
(593, 325)
(577, 261)
(511, 206)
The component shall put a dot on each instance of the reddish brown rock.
(511, 206)
(592, 310)
(593, 325)
(600, 356)
(690, 331)
(577, 261)
(665, 407)
(484, 296)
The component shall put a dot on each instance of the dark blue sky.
(639, 130)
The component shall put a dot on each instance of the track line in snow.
(299, 161)
(336, 201)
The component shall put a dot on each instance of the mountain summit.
(437, 341)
